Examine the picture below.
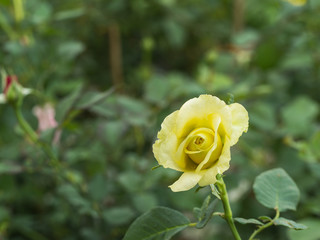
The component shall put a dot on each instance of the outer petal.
(165, 147)
(186, 181)
(240, 121)
(209, 176)
(196, 113)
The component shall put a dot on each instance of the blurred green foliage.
(114, 69)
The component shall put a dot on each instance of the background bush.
(114, 69)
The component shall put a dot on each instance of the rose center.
(203, 145)
(200, 142)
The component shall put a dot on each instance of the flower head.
(8, 83)
(46, 120)
(196, 140)
(13, 92)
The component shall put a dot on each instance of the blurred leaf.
(4, 214)
(262, 115)
(161, 89)
(315, 169)
(311, 233)
(144, 201)
(131, 181)
(248, 221)
(97, 187)
(206, 211)
(213, 81)
(69, 14)
(103, 110)
(245, 38)
(74, 177)
(268, 53)
(9, 168)
(134, 111)
(66, 104)
(14, 47)
(5, 2)
(289, 223)
(90, 99)
(113, 131)
(314, 145)
(175, 32)
(69, 50)
(276, 189)
(41, 13)
(158, 223)
(157, 89)
(299, 115)
(118, 215)
(297, 61)
(47, 135)
(72, 195)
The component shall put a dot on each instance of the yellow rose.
(196, 140)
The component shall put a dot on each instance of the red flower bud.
(9, 81)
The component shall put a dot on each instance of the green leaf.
(299, 116)
(265, 218)
(206, 211)
(9, 167)
(248, 221)
(311, 233)
(289, 223)
(92, 98)
(215, 191)
(67, 103)
(69, 14)
(118, 215)
(144, 201)
(70, 50)
(314, 145)
(276, 189)
(158, 223)
(263, 116)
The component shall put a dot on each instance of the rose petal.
(209, 176)
(165, 147)
(186, 181)
(240, 122)
(196, 113)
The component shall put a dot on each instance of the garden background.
(113, 69)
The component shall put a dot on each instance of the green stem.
(25, 126)
(34, 137)
(18, 10)
(226, 205)
(261, 228)
(193, 224)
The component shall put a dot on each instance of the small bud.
(13, 91)
(8, 82)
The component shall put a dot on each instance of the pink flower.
(46, 120)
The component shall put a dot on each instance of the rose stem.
(266, 225)
(226, 205)
(34, 137)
